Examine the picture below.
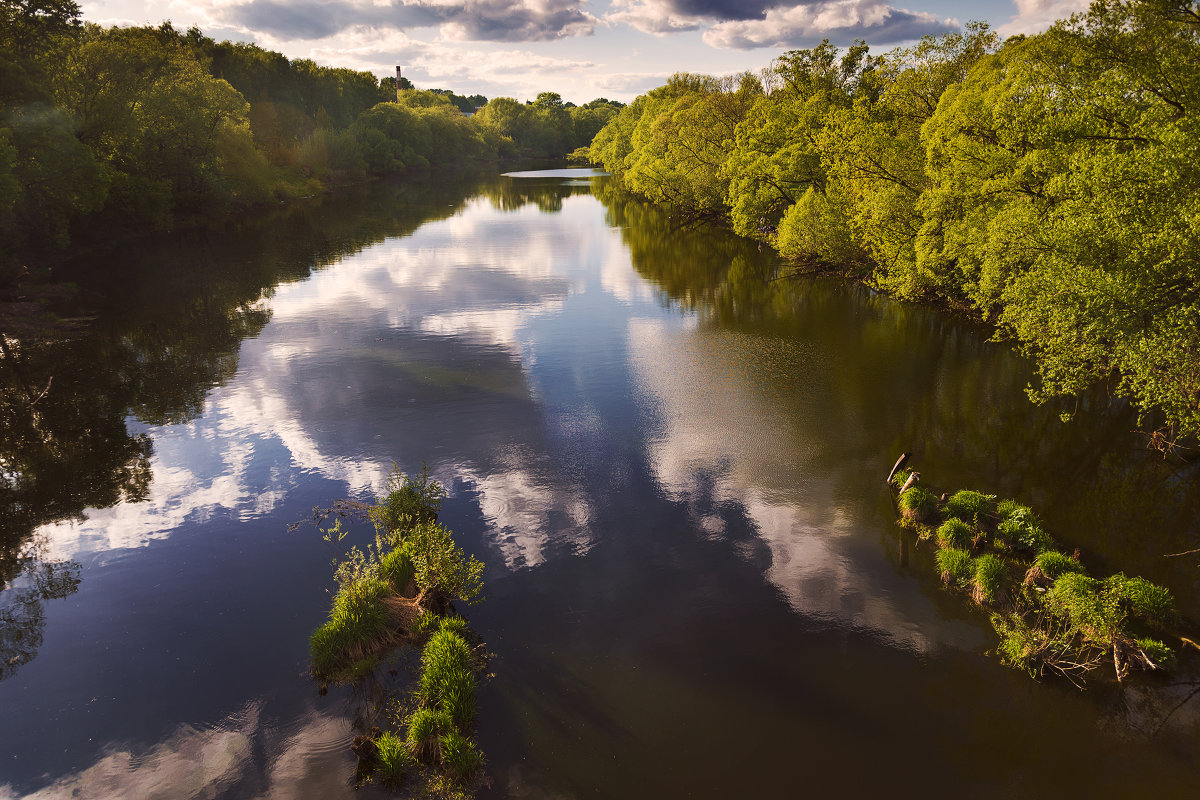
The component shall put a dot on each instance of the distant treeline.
(1049, 184)
(149, 127)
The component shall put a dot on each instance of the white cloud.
(1034, 16)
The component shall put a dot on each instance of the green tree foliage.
(150, 111)
(1049, 183)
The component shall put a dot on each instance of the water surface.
(670, 461)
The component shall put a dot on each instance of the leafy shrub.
(441, 566)
(988, 578)
(410, 501)
(955, 566)
(970, 506)
(955, 533)
(918, 503)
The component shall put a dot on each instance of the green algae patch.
(1051, 616)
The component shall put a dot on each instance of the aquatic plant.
(899, 479)
(357, 625)
(970, 506)
(955, 566)
(443, 571)
(447, 679)
(425, 728)
(1149, 602)
(955, 533)
(396, 566)
(395, 760)
(986, 582)
(460, 755)
(1019, 529)
(1049, 565)
(1060, 620)
(409, 501)
(918, 503)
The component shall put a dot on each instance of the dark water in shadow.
(671, 464)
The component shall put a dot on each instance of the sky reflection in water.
(681, 517)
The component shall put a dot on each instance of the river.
(670, 461)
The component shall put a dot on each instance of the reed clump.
(1052, 617)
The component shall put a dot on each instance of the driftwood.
(900, 462)
(913, 477)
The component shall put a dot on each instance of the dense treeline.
(147, 127)
(1051, 184)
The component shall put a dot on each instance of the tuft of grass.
(425, 729)
(1149, 602)
(357, 624)
(970, 506)
(447, 680)
(397, 568)
(918, 503)
(1159, 655)
(1006, 509)
(955, 566)
(1051, 564)
(988, 579)
(460, 755)
(900, 477)
(955, 533)
(395, 759)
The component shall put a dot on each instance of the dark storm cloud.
(481, 20)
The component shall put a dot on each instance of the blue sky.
(581, 49)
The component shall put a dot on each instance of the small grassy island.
(398, 596)
(1051, 616)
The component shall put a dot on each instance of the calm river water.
(671, 464)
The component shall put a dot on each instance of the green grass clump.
(918, 503)
(395, 759)
(356, 622)
(970, 506)
(955, 533)
(425, 729)
(988, 579)
(1052, 564)
(955, 566)
(1149, 602)
(1075, 598)
(447, 680)
(396, 566)
(1159, 654)
(1020, 530)
(460, 755)
(900, 477)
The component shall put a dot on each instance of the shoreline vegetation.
(1045, 185)
(1052, 618)
(152, 129)
(399, 595)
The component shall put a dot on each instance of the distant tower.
(397, 84)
